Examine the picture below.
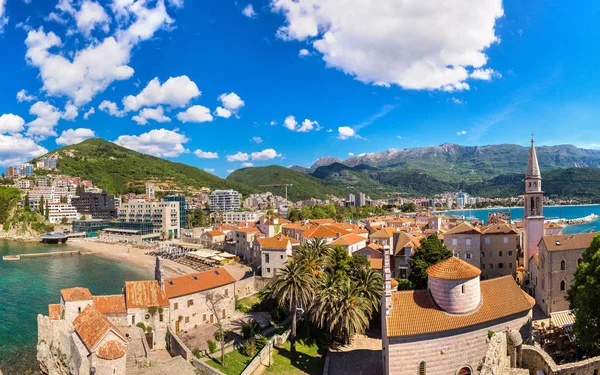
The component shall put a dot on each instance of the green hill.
(304, 186)
(120, 170)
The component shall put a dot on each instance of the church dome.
(454, 286)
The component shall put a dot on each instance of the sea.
(27, 287)
(550, 212)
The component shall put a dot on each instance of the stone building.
(244, 237)
(464, 240)
(551, 270)
(147, 303)
(350, 242)
(533, 219)
(499, 251)
(273, 253)
(444, 330)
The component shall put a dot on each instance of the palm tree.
(351, 314)
(326, 300)
(370, 285)
(293, 286)
(311, 259)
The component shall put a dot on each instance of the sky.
(224, 85)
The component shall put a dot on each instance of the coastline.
(509, 208)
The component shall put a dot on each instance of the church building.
(533, 217)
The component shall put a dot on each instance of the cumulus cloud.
(206, 154)
(16, 149)
(47, 117)
(350, 154)
(303, 52)
(209, 170)
(399, 137)
(485, 74)
(157, 114)
(266, 154)
(230, 170)
(10, 123)
(195, 113)
(257, 139)
(290, 122)
(71, 112)
(157, 142)
(175, 92)
(456, 100)
(345, 132)
(239, 156)
(90, 15)
(307, 125)
(247, 165)
(111, 108)
(99, 63)
(23, 97)
(461, 132)
(231, 104)
(273, 123)
(402, 53)
(72, 136)
(89, 113)
(3, 19)
(248, 11)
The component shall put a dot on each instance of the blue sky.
(211, 83)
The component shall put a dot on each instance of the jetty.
(56, 238)
(16, 257)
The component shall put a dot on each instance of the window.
(133, 319)
(505, 239)
(509, 265)
(281, 256)
(204, 317)
(161, 318)
(500, 253)
(491, 265)
(562, 285)
(510, 253)
(268, 270)
(422, 368)
(500, 265)
(226, 292)
(454, 241)
(563, 265)
(464, 371)
(482, 254)
(175, 306)
(487, 240)
(223, 313)
(468, 242)
(267, 258)
(187, 319)
(482, 266)
(79, 309)
(462, 289)
(190, 302)
(469, 255)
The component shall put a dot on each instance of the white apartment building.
(163, 215)
(58, 211)
(225, 200)
(23, 184)
(235, 217)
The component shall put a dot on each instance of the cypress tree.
(26, 202)
(41, 206)
(47, 213)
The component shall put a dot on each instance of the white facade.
(58, 211)
(164, 216)
(234, 217)
(225, 200)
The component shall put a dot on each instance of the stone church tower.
(533, 217)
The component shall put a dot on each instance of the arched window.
(537, 206)
(464, 371)
(462, 289)
(563, 265)
(562, 285)
(422, 368)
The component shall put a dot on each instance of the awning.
(563, 318)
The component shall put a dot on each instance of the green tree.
(64, 221)
(41, 205)
(432, 251)
(47, 212)
(293, 287)
(293, 215)
(370, 286)
(26, 202)
(584, 298)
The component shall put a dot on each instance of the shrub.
(404, 284)
(249, 348)
(278, 314)
(246, 331)
(152, 310)
(491, 334)
(149, 329)
(212, 346)
(196, 352)
(141, 325)
(160, 310)
(218, 335)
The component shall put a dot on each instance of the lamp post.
(270, 345)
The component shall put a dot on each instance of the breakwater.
(15, 257)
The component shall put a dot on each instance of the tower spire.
(533, 169)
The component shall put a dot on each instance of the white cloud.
(71, 112)
(16, 149)
(97, 64)
(248, 11)
(23, 97)
(206, 154)
(266, 154)
(195, 113)
(72, 136)
(485, 74)
(239, 156)
(157, 142)
(231, 103)
(47, 117)
(10, 123)
(89, 113)
(345, 132)
(350, 154)
(176, 92)
(399, 137)
(3, 19)
(157, 114)
(303, 52)
(230, 170)
(290, 122)
(456, 100)
(461, 132)
(404, 52)
(111, 108)
(247, 165)
(308, 125)
(209, 170)
(90, 15)
(273, 123)
(257, 139)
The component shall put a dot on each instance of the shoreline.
(510, 208)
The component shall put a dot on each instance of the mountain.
(120, 170)
(304, 185)
(472, 163)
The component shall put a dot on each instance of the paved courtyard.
(362, 357)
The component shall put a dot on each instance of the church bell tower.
(533, 217)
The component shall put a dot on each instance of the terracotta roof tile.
(76, 294)
(248, 230)
(384, 233)
(197, 282)
(349, 239)
(273, 243)
(323, 231)
(322, 221)
(215, 233)
(404, 240)
(114, 304)
(414, 312)
(91, 326)
(453, 269)
(376, 263)
(464, 228)
(146, 293)
(568, 241)
(54, 311)
(112, 350)
(502, 228)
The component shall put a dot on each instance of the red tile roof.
(54, 311)
(348, 240)
(376, 263)
(76, 294)
(92, 326)
(386, 232)
(197, 282)
(568, 241)
(453, 269)
(215, 233)
(414, 312)
(114, 304)
(143, 294)
(403, 241)
(464, 228)
(323, 231)
(248, 230)
(498, 229)
(111, 350)
(273, 243)
(322, 221)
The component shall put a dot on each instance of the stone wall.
(444, 353)
(496, 361)
(456, 296)
(177, 347)
(536, 359)
(115, 366)
(205, 369)
(54, 346)
(245, 287)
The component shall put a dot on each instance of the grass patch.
(235, 361)
(249, 304)
(308, 360)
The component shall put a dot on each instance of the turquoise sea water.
(29, 285)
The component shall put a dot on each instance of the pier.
(56, 238)
(16, 257)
